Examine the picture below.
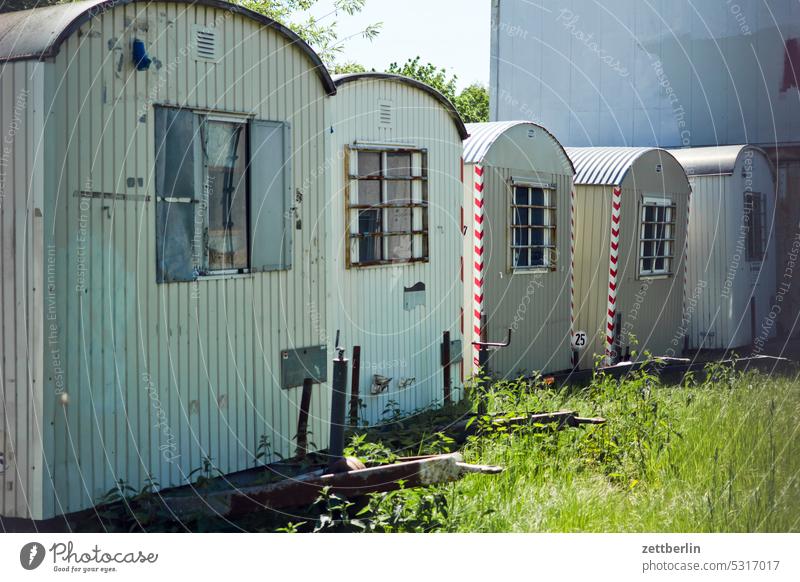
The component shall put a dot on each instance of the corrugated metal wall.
(160, 376)
(715, 221)
(651, 308)
(536, 304)
(720, 277)
(788, 230)
(367, 302)
(21, 170)
(592, 231)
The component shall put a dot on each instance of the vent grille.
(205, 43)
(385, 113)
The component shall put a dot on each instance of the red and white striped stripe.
(572, 263)
(686, 254)
(613, 268)
(478, 263)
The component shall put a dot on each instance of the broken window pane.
(399, 247)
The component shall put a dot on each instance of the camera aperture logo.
(31, 555)
(95, 560)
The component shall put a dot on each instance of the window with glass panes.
(387, 206)
(657, 237)
(533, 228)
(756, 241)
(223, 193)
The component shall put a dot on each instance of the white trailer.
(732, 268)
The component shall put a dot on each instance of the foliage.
(349, 67)
(368, 452)
(126, 509)
(14, 5)
(401, 511)
(472, 103)
(714, 453)
(428, 73)
(322, 35)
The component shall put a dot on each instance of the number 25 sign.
(578, 340)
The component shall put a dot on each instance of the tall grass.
(721, 455)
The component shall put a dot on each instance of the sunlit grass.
(722, 455)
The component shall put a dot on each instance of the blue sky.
(449, 33)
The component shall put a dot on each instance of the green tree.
(316, 31)
(472, 103)
(430, 74)
(349, 67)
(14, 5)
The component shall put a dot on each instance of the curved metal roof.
(606, 166)
(351, 77)
(38, 33)
(482, 137)
(712, 161)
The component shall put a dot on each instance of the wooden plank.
(304, 489)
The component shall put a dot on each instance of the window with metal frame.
(212, 172)
(657, 237)
(387, 205)
(533, 227)
(754, 207)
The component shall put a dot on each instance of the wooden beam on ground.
(304, 490)
(460, 430)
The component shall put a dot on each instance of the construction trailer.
(732, 257)
(394, 286)
(630, 235)
(518, 184)
(163, 226)
(661, 74)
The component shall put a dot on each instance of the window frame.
(420, 202)
(751, 231)
(244, 121)
(266, 175)
(550, 215)
(669, 238)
